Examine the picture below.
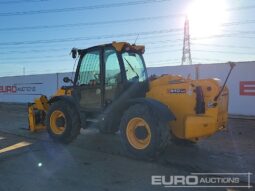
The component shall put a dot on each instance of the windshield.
(134, 67)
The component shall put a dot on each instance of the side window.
(112, 67)
(89, 73)
(134, 66)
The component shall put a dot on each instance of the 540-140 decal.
(177, 91)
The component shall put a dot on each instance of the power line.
(22, 1)
(38, 60)
(50, 41)
(223, 52)
(90, 38)
(241, 8)
(32, 51)
(82, 38)
(82, 8)
(41, 57)
(100, 6)
(147, 33)
(149, 43)
(222, 36)
(130, 39)
(224, 46)
(57, 57)
(238, 23)
(60, 57)
(34, 58)
(38, 27)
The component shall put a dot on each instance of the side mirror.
(67, 79)
(74, 52)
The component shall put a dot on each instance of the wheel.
(62, 121)
(110, 125)
(143, 135)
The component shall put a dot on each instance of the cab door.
(89, 80)
(113, 76)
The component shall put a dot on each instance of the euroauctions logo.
(16, 89)
(204, 180)
(21, 88)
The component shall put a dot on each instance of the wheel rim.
(57, 122)
(134, 126)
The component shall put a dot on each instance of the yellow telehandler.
(111, 89)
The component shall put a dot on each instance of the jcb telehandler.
(111, 88)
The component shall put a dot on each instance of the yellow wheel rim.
(131, 132)
(55, 127)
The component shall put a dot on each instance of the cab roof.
(119, 46)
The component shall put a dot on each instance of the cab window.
(112, 67)
(89, 73)
(134, 67)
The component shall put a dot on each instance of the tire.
(65, 115)
(155, 140)
(110, 125)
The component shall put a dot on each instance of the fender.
(160, 109)
(68, 99)
(72, 101)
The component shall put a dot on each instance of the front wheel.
(143, 134)
(63, 122)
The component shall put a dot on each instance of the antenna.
(186, 55)
(136, 39)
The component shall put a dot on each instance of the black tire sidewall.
(143, 112)
(63, 107)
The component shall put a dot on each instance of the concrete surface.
(96, 162)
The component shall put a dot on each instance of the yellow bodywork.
(176, 92)
(38, 110)
(35, 112)
(179, 95)
(120, 45)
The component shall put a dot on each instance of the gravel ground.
(96, 162)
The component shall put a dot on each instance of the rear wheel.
(143, 134)
(63, 123)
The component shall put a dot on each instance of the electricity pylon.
(186, 54)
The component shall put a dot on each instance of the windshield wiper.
(132, 68)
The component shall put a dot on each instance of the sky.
(36, 36)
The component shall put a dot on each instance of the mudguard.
(68, 99)
(160, 109)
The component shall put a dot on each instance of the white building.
(241, 84)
